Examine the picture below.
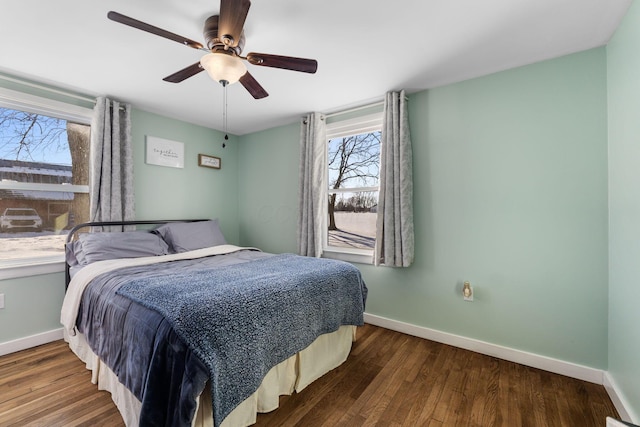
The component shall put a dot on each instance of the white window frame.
(339, 129)
(15, 100)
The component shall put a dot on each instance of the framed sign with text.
(209, 161)
(164, 152)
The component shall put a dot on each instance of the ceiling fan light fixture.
(223, 67)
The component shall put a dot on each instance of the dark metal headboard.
(123, 224)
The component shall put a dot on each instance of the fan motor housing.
(210, 33)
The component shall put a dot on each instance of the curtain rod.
(49, 89)
(351, 110)
(354, 109)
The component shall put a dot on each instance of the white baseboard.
(30, 341)
(524, 358)
(618, 400)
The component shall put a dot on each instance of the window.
(353, 150)
(44, 177)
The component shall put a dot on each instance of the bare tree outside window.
(354, 168)
(32, 137)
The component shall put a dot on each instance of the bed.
(184, 329)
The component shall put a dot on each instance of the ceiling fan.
(224, 37)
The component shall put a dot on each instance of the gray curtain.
(313, 165)
(111, 197)
(394, 224)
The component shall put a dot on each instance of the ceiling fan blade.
(184, 74)
(253, 86)
(285, 62)
(233, 13)
(118, 17)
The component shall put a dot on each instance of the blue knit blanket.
(242, 320)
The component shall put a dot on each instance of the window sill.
(360, 256)
(13, 269)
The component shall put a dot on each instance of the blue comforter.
(228, 325)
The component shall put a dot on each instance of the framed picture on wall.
(164, 152)
(209, 161)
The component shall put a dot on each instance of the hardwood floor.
(390, 379)
(49, 386)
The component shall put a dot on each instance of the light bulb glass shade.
(222, 66)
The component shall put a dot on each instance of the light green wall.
(268, 188)
(624, 209)
(32, 305)
(510, 193)
(192, 192)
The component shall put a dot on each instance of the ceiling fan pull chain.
(224, 111)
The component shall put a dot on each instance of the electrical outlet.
(467, 291)
(1, 300)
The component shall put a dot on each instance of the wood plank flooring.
(49, 386)
(390, 379)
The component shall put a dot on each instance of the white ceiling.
(364, 48)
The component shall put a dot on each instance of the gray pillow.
(128, 244)
(189, 236)
(73, 254)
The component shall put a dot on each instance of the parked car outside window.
(20, 218)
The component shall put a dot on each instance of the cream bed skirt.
(294, 374)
